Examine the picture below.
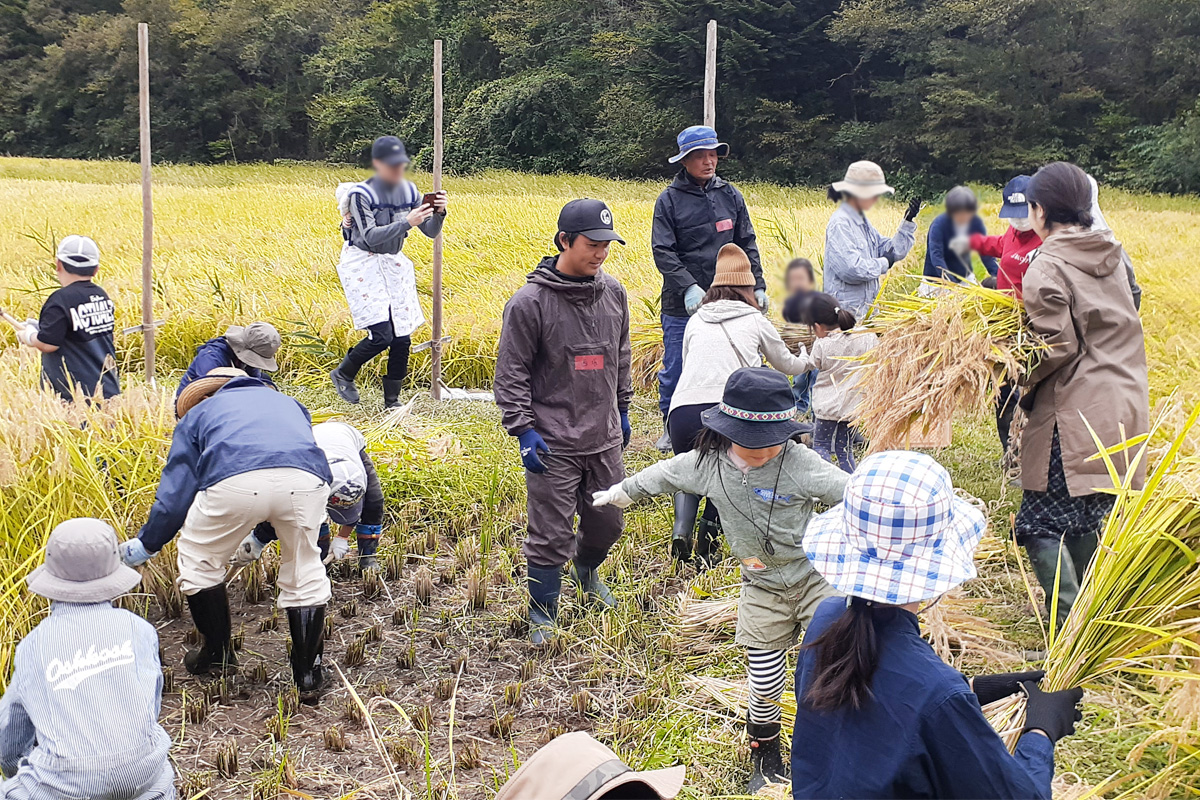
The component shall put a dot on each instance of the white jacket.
(835, 395)
(721, 338)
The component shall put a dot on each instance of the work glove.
(339, 547)
(764, 305)
(914, 208)
(626, 430)
(531, 444)
(961, 245)
(26, 335)
(247, 552)
(1052, 713)
(990, 688)
(692, 298)
(612, 496)
(133, 553)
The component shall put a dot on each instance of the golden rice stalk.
(937, 357)
(735, 697)
(796, 336)
(955, 632)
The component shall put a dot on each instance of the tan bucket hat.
(864, 180)
(204, 387)
(733, 267)
(82, 564)
(575, 766)
(256, 344)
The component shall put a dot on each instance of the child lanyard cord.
(766, 534)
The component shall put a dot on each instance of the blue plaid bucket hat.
(900, 534)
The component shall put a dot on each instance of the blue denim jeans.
(802, 391)
(672, 361)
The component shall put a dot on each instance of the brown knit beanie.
(733, 267)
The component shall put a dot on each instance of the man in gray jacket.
(563, 385)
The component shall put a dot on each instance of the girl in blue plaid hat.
(878, 714)
(765, 486)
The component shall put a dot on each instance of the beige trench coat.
(1078, 298)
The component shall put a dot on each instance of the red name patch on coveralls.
(724, 224)
(589, 362)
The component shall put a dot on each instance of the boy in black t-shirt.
(75, 330)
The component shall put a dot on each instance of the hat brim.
(348, 515)
(394, 160)
(41, 581)
(253, 359)
(721, 147)
(198, 390)
(602, 235)
(929, 572)
(666, 783)
(1014, 210)
(863, 191)
(752, 435)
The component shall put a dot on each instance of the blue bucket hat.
(1016, 200)
(698, 137)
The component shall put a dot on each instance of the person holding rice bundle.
(878, 714)
(856, 255)
(836, 355)
(1088, 389)
(765, 486)
(728, 331)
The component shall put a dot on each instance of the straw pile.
(939, 356)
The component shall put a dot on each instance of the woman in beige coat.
(1094, 374)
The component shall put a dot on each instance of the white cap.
(79, 252)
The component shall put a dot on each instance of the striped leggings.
(767, 674)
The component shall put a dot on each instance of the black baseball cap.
(390, 150)
(589, 217)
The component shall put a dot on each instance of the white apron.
(379, 285)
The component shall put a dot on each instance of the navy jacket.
(938, 253)
(246, 425)
(691, 223)
(922, 735)
(212, 354)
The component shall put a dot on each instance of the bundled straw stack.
(937, 357)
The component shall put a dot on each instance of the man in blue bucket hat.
(694, 217)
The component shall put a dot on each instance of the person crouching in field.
(378, 279)
(947, 245)
(251, 349)
(355, 501)
(765, 486)
(80, 715)
(242, 453)
(74, 332)
(563, 386)
(835, 354)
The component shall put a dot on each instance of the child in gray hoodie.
(765, 486)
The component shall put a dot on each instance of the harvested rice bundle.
(939, 356)
(796, 336)
(956, 633)
(1141, 596)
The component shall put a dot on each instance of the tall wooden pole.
(147, 202)
(710, 76)
(436, 341)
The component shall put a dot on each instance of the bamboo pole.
(147, 201)
(435, 388)
(710, 76)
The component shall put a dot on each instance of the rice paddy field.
(434, 692)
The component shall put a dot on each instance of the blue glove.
(134, 554)
(764, 305)
(626, 429)
(692, 298)
(531, 443)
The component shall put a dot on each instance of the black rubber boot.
(307, 626)
(708, 544)
(391, 393)
(343, 379)
(663, 445)
(683, 532)
(210, 614)
(1045, 555)
(545, 584)
(588, 580)
(765, 758)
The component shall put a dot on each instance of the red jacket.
(1014, 250)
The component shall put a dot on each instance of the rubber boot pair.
(1061, 563)
(766, 760)
(210, 615)
(307, 626)
(545, 585)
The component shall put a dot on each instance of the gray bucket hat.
(82, 564)
(255, 345)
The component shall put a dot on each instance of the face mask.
(1021, 223)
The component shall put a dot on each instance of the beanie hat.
(733, 267)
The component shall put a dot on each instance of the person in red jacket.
(1015, 246)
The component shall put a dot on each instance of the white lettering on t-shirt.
(93, 317)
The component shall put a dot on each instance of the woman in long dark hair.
(879, 715)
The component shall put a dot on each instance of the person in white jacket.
(726, 333)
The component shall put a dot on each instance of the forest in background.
(938, 91)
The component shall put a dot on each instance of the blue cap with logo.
(698, 137)
(390, 150)
(1016, 200)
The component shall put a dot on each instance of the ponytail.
(833, 194)
(847, 655)
(819, 308)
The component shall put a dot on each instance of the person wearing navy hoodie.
(242, 453)
(947, 246)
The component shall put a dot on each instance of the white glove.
(612, 496)
(247, 552)
(339, 547)
(26, 335)
(961, 245)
